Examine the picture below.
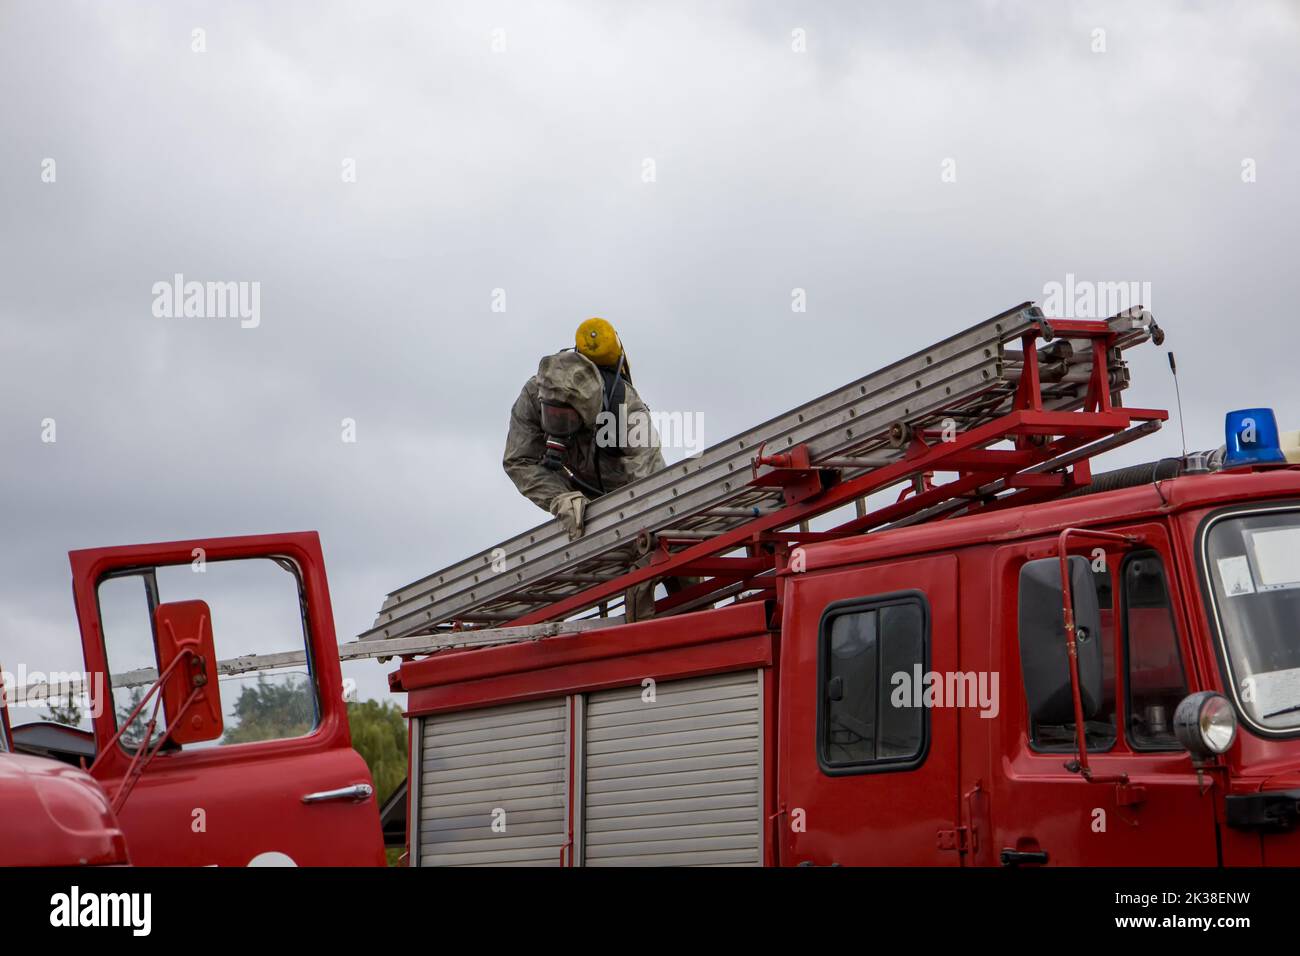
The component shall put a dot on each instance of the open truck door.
(209, 764)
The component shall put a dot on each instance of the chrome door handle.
(359, 791)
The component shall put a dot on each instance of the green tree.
(379, 735)
(273, 710)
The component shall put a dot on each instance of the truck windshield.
(1252, 565)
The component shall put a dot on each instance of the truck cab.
(928, 715)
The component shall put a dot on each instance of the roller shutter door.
(513, 758)
(674, 782)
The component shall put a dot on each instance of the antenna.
(1178, 395)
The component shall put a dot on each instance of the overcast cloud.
(522, 170)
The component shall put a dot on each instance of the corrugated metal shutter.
(674, 782)
(514, 758)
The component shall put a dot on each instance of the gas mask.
(559, 423)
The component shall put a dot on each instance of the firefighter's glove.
(570, 508)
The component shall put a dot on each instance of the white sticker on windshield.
(1276, 691)
(1277, 557)
(1235, 575)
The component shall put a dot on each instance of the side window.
(870, 654)
(1100, 732)
(256, 608)
(1156, 682)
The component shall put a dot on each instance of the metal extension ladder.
(733, 515)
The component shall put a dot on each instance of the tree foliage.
(379, 735)
(273, 710)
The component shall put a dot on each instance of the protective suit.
(568, 378)
(577, 431)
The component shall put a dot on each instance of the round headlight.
(1205, 724)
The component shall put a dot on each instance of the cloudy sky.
(380, 170)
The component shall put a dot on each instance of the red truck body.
(979, 791)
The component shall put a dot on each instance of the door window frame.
(857, 605)
(148, 574)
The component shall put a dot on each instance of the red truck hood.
(54, 815)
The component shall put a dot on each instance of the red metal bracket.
(793, 472)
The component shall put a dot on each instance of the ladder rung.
(875, 461)
(533, 597)
(734, 512)
(685, 534)
(578, 578)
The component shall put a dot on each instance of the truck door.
(868, 760)
(264, 772)
(1162, 815)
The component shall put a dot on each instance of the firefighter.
(579, 430)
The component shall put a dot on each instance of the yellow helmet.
(597, 340)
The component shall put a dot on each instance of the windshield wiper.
(1284, 710)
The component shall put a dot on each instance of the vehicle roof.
(1122, 505)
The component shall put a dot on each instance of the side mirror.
(1044, 658)
(186, 626)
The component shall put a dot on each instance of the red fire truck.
(1008, 662)
(771, 736)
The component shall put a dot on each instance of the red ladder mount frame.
(1037, 436)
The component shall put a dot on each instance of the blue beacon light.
(1252, 438)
